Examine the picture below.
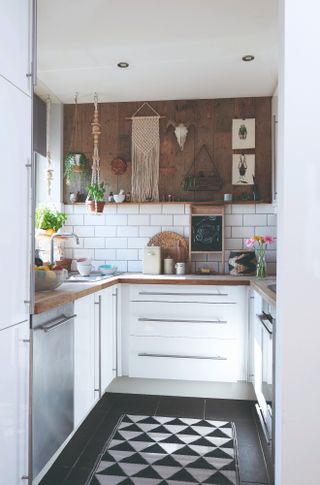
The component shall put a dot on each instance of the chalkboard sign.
(206, 233)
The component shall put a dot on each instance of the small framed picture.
(243, 169)
(243, 133)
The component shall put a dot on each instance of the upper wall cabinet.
(16, 42)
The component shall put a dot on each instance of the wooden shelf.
(210, 202)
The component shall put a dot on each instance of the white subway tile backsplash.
(149, 231)
(105, 231)
(94, 242)
(79, 209)
(128, 209)
(233, 220)
(74, 220)
(134, 266)
(150, 209)
(127, 254)
(117, 220)
(255, 220)
(119, 236)
(127, 231)
(180, 220)
(139, 220)
(173, 209)
(105, 254)
(84, 231)
(72, 243)
(116, 242)
(161, 220)
(68, 209)
(137, 242)
(93, 220)
(242, 232)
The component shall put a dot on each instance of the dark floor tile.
(232, 410)
(135, 404)
(184, 407)
(55, 476)
(78, 476)
(254, 483)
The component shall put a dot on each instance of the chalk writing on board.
(206, 233)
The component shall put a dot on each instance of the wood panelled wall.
(211, 124)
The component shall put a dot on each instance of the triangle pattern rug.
(156, 450)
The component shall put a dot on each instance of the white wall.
(120, 235)
(298, 338)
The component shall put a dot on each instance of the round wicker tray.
(172, 244)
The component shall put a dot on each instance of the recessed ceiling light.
(248, 58)
(123, 65)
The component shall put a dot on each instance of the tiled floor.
(77, 460)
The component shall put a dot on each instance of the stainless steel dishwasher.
(52, 383)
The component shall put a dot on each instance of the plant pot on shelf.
(94, 207)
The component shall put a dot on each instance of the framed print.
(243, 169)
(243, 133)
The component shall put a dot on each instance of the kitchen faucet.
(60, 234)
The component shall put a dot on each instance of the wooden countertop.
(69, 292)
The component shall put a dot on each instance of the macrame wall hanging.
(49, 171)
(145, 155)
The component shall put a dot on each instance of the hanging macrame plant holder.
(49, 171)
(203, 174)
(145, 156)
(94, 205)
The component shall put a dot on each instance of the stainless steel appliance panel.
(53, 383)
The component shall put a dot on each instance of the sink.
(273, 287)
(92, 278)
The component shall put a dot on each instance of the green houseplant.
(50, 221)
(74, 164)
(95, 201)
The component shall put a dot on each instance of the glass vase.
(261, 265)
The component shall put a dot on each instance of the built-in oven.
(264, 342)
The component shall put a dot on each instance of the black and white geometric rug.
(156, 450)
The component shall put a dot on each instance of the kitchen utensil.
(49, 280)
(107, 269)
(118, 198)
(84, 268)
(172, 244)
(168, 265)
(227, 197)
(180, 268)
(152, 260)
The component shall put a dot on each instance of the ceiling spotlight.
(123, 65)
(248, 58)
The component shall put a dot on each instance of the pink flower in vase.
(250, 242)
(268, 239)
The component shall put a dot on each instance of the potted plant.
(95, 201)
(49, 221)
(74, 163)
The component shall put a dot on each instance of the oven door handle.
(262, 319)
(48, 327)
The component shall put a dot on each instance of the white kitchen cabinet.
(16, 43)
(14, 396)
(84, 358)
(185, 332)
(15, 142)
(106, 316)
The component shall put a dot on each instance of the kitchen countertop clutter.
(73, 291)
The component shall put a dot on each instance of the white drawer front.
(211, 294)
(218, 322)
(185, 358)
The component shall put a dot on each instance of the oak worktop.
(69, 292)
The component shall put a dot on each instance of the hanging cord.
(75, 129)
(49, 170)
(96, 132)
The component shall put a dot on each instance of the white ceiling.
(177, 49)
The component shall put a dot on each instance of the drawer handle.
(194, 302)
(174, 320)
(154, 293)
(174, 356)
(48, 327)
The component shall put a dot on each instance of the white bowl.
(118, 198)
(107, 269)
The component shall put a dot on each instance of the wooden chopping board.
(172, 244)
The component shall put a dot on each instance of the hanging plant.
(95, 200)
(74, 164)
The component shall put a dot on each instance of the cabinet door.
(14, 397)
(108, 334)
(16, 42)
(84, 395)
(15, 142)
